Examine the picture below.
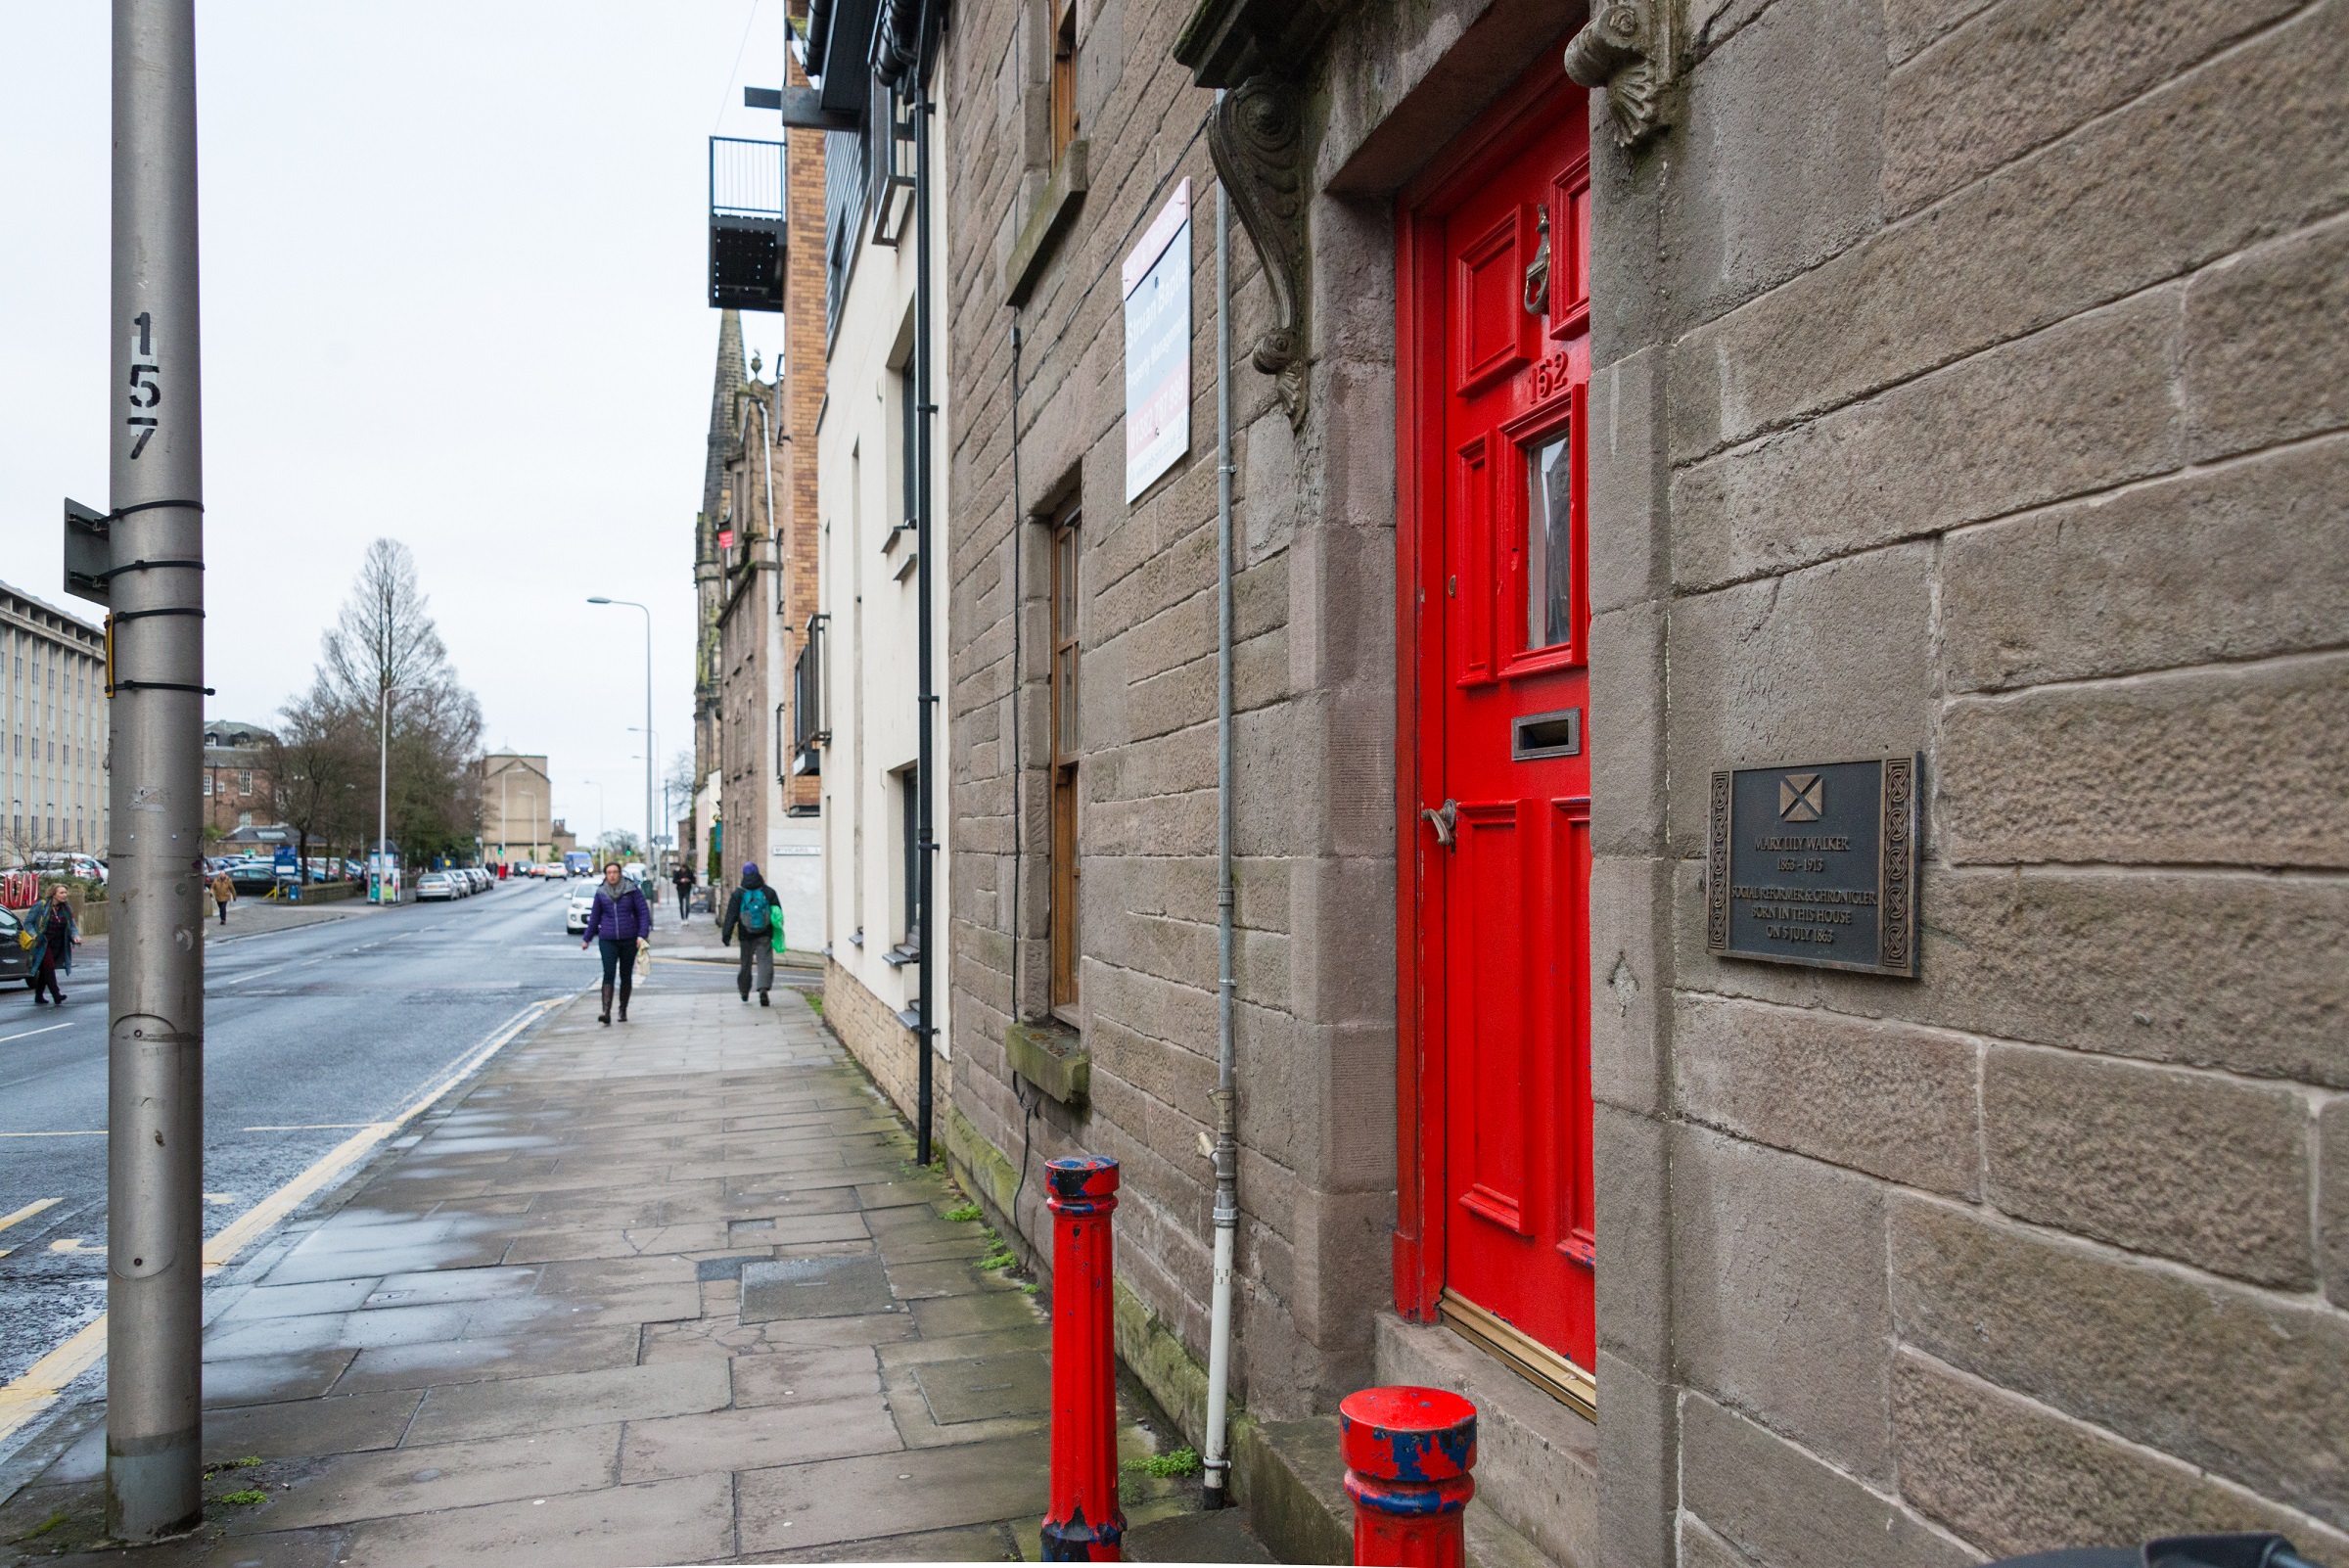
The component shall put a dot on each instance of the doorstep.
(1536, 1460)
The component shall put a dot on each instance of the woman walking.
(619, 920)
(53, 947)
(224, 893)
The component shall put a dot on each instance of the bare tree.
(384, 659)
(319, 764)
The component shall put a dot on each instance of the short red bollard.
(1408, 1452)
(1084, 1523)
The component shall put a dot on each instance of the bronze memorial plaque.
(1815, 864)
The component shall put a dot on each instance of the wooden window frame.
(1064, 682)
(1063, 68)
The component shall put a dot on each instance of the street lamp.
(648, 710)
(383, 776)
(652, 750)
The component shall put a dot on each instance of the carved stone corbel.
(1625, 48)
(1256, 137)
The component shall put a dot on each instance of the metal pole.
(648, 713)
(925, 774)
(382, 773)
(154, 1005)
(1215, 1488)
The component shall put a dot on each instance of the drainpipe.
(925, 768)
(1216, 1490)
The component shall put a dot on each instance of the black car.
(16, 959)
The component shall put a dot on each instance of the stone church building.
(1789, 699)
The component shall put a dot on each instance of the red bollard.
(1408, 1452)
(1083, 1523)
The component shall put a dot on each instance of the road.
(310, 1033)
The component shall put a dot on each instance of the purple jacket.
(622, 919)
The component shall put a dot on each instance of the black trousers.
(620, 957)
(45, 977)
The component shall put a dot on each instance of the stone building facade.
(1947, 382)
(517, 795)
(238, 792)
(55, 748)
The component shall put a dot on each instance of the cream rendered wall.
(870, 665)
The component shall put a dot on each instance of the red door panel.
(1502, 938)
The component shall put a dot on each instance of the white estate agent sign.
(1158, 344)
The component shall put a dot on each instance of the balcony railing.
(810, 722)
(747, 224)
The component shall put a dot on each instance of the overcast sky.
(453, 292)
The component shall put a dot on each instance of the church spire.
(727, 382)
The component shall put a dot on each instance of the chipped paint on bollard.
(1083, 1523)
(1408, 1454)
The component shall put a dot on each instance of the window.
(1065, 870)
(1064, 76)
(244, 781)
(208, 782)
(909, 815)
(1548, 544)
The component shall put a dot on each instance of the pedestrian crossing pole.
(154, 584)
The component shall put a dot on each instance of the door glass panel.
(1548, 544)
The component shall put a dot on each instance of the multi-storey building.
(55, 750)
(877, 730)
(1789, 664)
(755, 570)
(237, 784)
(517, 795)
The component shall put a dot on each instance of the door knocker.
(1537, 275)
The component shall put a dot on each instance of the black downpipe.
(924, 407)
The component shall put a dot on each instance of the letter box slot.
(1537, 735)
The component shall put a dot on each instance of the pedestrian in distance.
(684, 882)
(755, 915)
(53, 947)
(622, 921)
(224, 893)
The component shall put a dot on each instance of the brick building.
(755, 568)
(1944, 391)
(55, 746)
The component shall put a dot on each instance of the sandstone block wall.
(1965, 380)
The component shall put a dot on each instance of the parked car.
(436, 885)
(252, 877)
(576, 907)
(16, 962)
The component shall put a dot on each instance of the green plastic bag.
(774, 929)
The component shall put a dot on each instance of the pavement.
(664, 1292)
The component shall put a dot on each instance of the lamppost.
(648, 712)
(383, 793)
(652, 843)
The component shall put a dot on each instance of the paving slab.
(542, 1404)
(431, 1477)
(728, 1441)
(843, 1499)
(481, 1358)
(617, 1527)
(302, 1428)
(836, 1286)
(262, 1379)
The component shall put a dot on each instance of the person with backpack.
(755, 915)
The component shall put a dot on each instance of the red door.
(1501, 902)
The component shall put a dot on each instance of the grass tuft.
(245, 1498)
(53, 1522)
(1173, 1463)
(964, 1211)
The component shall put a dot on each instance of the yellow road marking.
(66, 1244)
(28, 1211)
(309, 1127)
(86, 1132)
(47, 1379)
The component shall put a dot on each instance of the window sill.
(900, 956)
(1054, 207)
(1052, 1057)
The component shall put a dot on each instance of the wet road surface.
(311, 1034)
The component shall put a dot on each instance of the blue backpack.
(755, 909)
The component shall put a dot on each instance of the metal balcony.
(747, 224)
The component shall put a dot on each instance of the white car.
(583, 899)
(436, 885)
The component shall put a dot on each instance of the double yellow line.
(47, 1379)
